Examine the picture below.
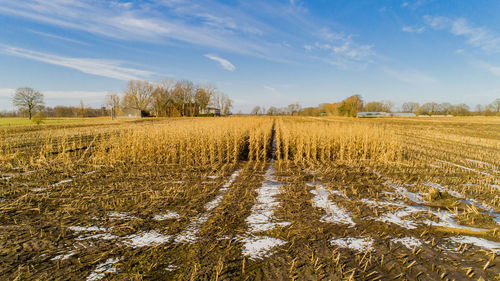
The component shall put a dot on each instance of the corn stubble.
(146, 168)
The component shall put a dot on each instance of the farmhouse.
(132, 113)
(210, 110)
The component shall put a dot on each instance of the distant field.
(26, 122)
(251, 198)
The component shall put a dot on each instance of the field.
(251, 198)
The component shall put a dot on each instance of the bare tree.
(255, 110)
(203, 95)
(82, 110)
(113, 103)
(222, 102)
(162, 97)
(495, 105)
(138, 95)
(28, 100)
(410, 107)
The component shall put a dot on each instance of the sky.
(259, 52)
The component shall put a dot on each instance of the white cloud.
(341, 50)
(479, 37)
(413, 29)
(231, 27)
(223, 62)
(410, 76)
(100, 67)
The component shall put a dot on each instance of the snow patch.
(260, 247)
(102, 269)
(480, 242)
(143, 239)
(62, 182)
(63, 257)
(166, 216)
(358, 244)
(334, 214)
(120, 216)
(409, 242)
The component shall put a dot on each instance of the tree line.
(354, 104)
(165, 98)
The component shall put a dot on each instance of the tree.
(162, 100)
(82, 110)
(138, 95)
(351, 106)
(429, 108)
(495, 105)
(375, 106)
(461, 110)
(113, 103)
(222, 102)
(255, 110)
(28, 100)
(410, 107)
(203, 94)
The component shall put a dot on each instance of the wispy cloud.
(227, 65)
(100, 67)
(495, 70)
(413, 29)
(479, 37)
(234, 27)
(410, 76)
(58, 37)
(341, 49)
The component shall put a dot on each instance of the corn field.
(252, 198)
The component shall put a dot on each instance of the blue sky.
(259, 52)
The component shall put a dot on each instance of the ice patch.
(358, 244)
(397, 217)
(381, 203)
(261, 217)
(212, 177)
(63, 257)
(143, 239)
(87, 229)
(38, 189)
(260, 247)
(480, 242)
(190, 234)
(100, 236)
(120, 216)
(62, 182)
(167, 216)
(401, 190)
(334, 214)
(409, 242)
(102, 269)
